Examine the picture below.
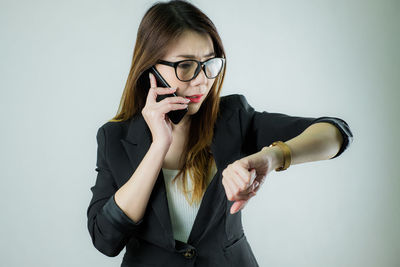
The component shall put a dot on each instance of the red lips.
(194, 98)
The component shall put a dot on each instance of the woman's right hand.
(154, 112)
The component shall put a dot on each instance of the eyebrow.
(192, 56)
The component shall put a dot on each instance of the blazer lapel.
(137, 140)
(136, 144)
(224, 151)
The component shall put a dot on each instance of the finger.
(175, 99)
(164, 90)
(165, 108)
(240, 181)
(255, 185)
(243, 196)
(235, 207)
(234, 181)
(250, 192)
(153, 82)
(235, 194)
(154, 91)
(239, 192)
(253, 175)
(233, 191)
(243, 172)
(238, 205)
(151, 95)
(253, 189)
(242, 178)
(229, 187)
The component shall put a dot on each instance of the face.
(190, 45)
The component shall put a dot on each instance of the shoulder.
(234, 102)
(114, 128)
(235, 109)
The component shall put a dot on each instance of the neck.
(183, 125)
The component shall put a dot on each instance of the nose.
(200, 78)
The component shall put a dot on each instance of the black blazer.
(217, 237)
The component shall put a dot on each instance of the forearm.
(320, 141)
(134, 195)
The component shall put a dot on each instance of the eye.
(185, 65)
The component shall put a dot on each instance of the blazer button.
(189, 253)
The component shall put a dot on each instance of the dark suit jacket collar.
(136, 144)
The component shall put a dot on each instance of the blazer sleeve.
(260, 129)
(109, 227)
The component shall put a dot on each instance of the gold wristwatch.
(287, 155)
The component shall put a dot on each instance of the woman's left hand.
(244, 177)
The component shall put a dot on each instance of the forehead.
(190, 43)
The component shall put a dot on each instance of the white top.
(181, 213)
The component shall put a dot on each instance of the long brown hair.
(161, 25)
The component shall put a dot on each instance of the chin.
(193, 108)
(191, 112)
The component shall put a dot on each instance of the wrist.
(287, 154)
(276, 156)
(160, 146)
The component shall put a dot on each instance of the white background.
(63, 67)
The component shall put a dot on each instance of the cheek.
(174, 82)
(168, 74)
(209, 85)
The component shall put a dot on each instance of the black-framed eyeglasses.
(188, 69)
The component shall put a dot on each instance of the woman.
(172, 193)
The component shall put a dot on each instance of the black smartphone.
(174, 115)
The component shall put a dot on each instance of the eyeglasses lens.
(187, 69)
(213, 67)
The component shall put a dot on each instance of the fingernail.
(150, 75)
